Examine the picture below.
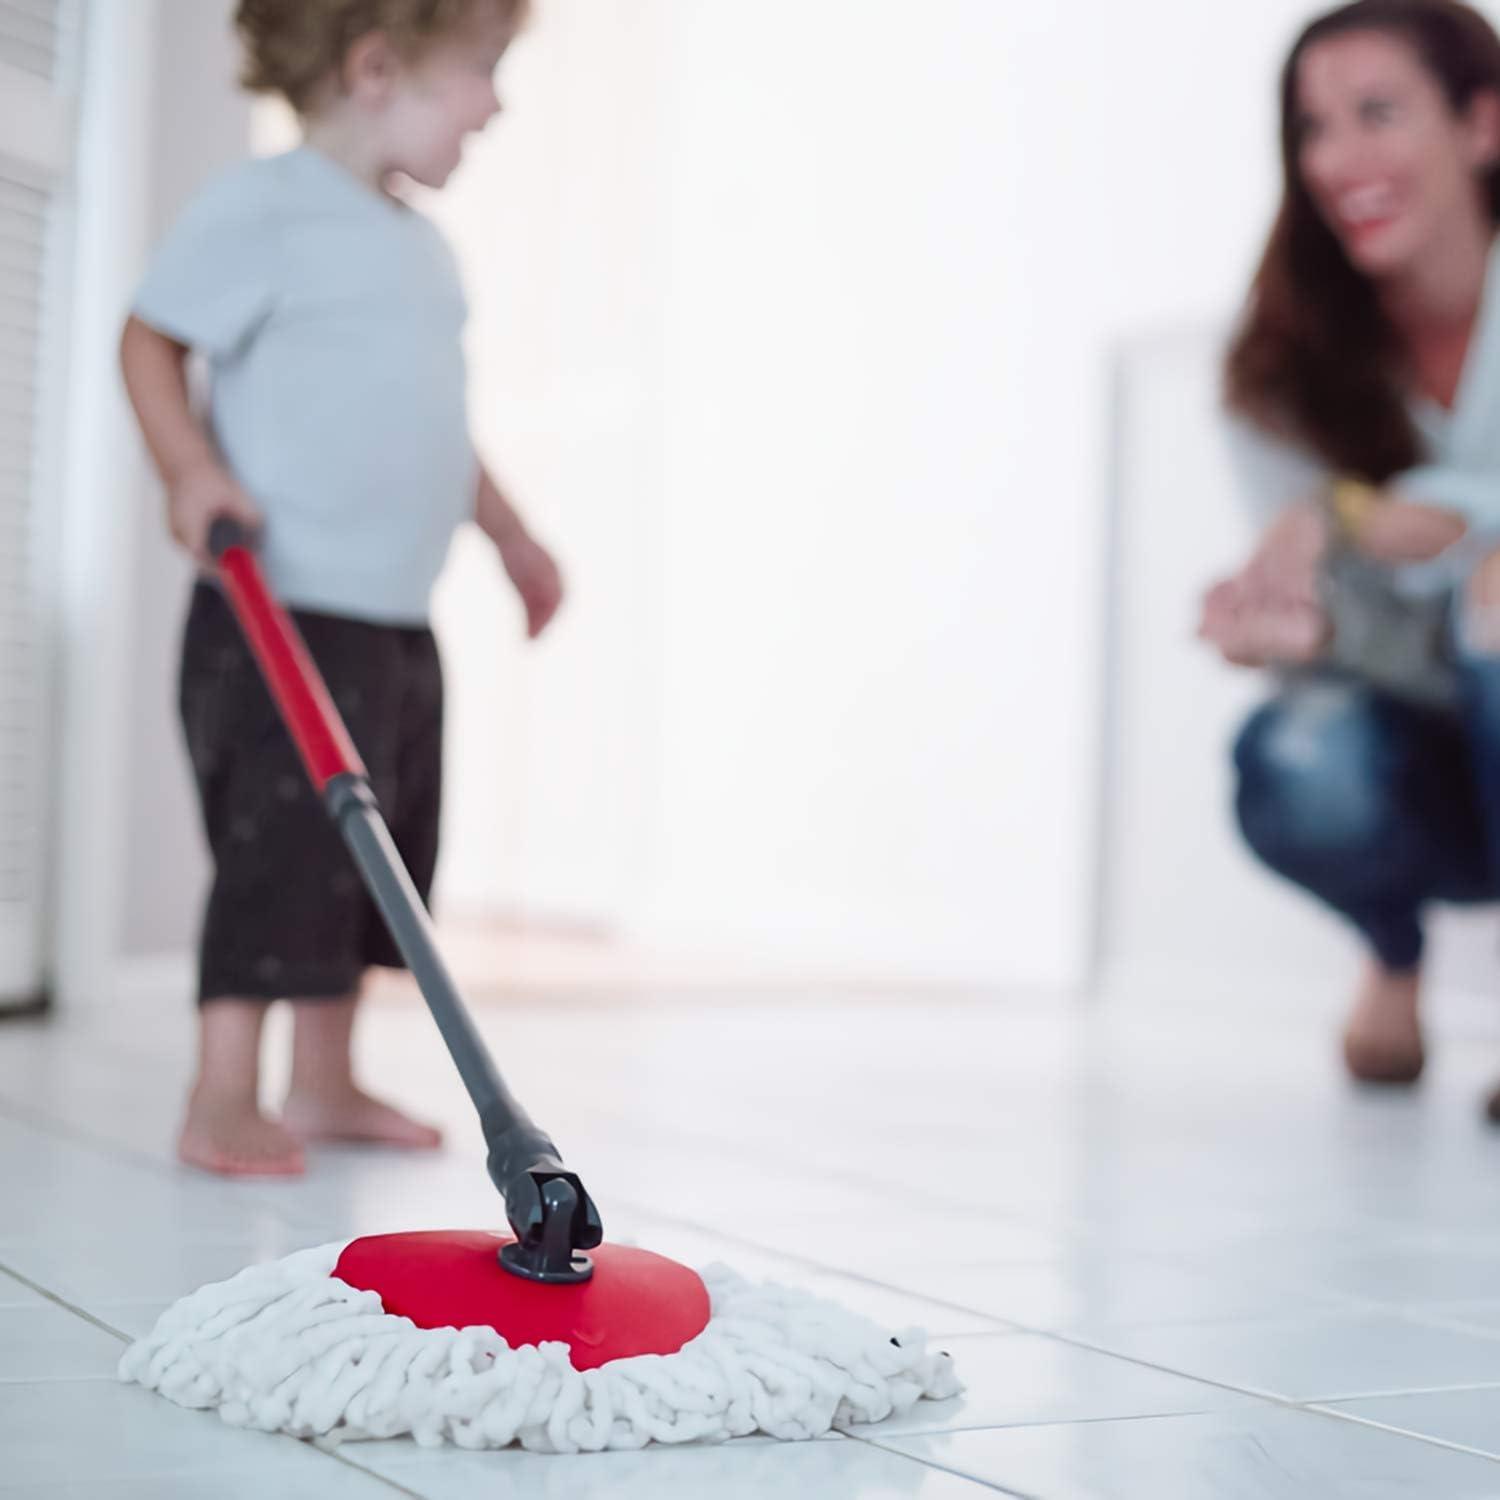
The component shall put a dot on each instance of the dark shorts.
(288, 916)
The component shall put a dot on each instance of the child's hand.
(537, 580)
(199, 497)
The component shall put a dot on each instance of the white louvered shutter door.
(37, 44)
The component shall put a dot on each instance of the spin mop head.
(654, 1353)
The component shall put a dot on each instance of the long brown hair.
(1315, 359)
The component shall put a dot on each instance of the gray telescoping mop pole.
(552, 1216)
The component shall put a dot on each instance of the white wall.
(558, 216)
(904, 244)
(793, 326)
(97, 499)
(1183, 896)
(858, 620)
(201, 124)
(160, 113)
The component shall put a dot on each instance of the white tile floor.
(1174, 1254)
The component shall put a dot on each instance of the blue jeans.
(1377, 807)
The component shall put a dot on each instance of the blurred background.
(858, 359)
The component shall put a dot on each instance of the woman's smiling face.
(1387, 160)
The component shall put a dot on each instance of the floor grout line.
(392, 1484)
(1001, 1325)
(880, 1439)
(1004, 1327)
(1305, 1404)
(73, 1135)
(127, 1339)
(983, 1484)
(1459, 1389)
(1448, 1325)
(1309, 1409)
(622, 1127)
(1340, 1305)
(1316, 1409)
(60, 1301)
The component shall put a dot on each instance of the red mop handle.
(550, 1211)
(290, 672)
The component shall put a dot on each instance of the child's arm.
(199, 488)
(529, 564)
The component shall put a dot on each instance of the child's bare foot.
(347, 1113)
(233, 1139)
(1383, 1039)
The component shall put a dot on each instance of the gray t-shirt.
(331, 318)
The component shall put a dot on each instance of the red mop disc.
(635, 1302)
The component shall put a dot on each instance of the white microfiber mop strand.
(286, 1347)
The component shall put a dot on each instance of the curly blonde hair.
(293, 46)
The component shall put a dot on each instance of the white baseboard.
(1455, 1006)
(1454, 1010)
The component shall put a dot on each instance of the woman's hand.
(1284, 568)
(1251, 629)
(1398, 531)
(1269, 612)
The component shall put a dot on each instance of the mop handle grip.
(290, 672)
